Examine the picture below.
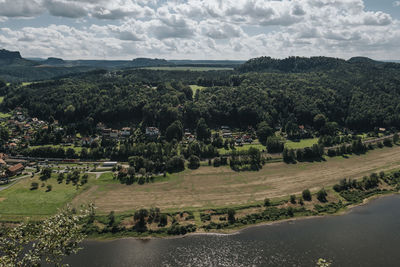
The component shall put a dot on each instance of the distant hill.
(303, 64)
(14, 58)
(290, 64)
(53, 61)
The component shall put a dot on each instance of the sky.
(200, 29)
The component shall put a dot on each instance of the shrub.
(307, 195)
(49, 188)
(34, 186)
(388, 142)
(293, 199)
(194, 162)
(217, 162)
(267, 202)
(175, 164)
(321, 195)
(231, 216)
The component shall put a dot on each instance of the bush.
(163, 220)
(175, 164)
(49, 188)
(331, 152)
(194, 162)
(321, 195)
(231, 216)
(267, 202)
(217, 162)
(388, 142)
(293, 199)
(34, 186)
(307, 195)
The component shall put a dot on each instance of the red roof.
(16, 167)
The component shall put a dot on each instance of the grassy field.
(302, 144)
(210, 187)
(207, 187)
(223, 151)
(19, 201)
(187, 68)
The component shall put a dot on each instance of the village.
(20, 132)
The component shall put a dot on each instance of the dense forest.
(359, 94)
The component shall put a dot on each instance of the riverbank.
(367, 236)
(238, 230)
(235, 229)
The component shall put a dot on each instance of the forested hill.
(360, 97)
(313, 64)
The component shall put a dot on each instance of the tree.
(175, 164)
(293, 199)
(49, 241)
(45, 174)
(231, 216)
(321, 195)
(267, 202)
(111, 218)
(49, 188)
(70, 153)
(163, 220)
(60, 177)
(194, 162)
(263, 132)
(202, 130)
(319, 121)
(174, 131)
(84, 153)
(307, 195)
(275, 145)
(140, 218)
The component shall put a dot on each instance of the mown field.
(19, 202)
(301, 144)
(210, 187)
(207, 187)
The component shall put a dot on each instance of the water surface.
(367, 236)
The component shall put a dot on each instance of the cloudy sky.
(200, 29)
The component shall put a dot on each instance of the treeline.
(359, 96)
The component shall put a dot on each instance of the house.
(227, 135)
(226, 128)
(106, 132)
(247, 139)
(238, 141)
(100, 126)
(87, 141)
(15, 169)
(125, 132)
(3, 156)
(152, 132)
(382, 129)
(114, 134)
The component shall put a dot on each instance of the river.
(368, 235)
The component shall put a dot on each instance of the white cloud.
(202, 28)
(20, 8)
